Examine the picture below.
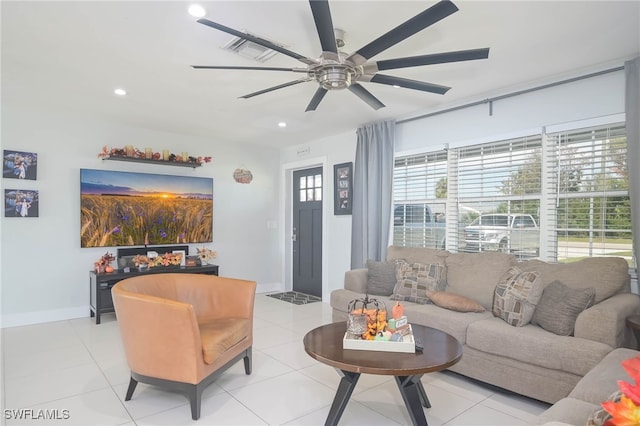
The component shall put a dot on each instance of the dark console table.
(100, 284)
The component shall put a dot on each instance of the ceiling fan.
(336, 70)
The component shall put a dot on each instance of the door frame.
(286, 218)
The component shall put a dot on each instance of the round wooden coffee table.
(441, 350)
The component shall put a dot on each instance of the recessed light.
(282, 124)
(120, 92)
(395, 86)
(197, 11)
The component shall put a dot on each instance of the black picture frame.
(342, 188)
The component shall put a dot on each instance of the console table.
(100, 284)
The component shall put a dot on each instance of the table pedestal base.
(411, 389)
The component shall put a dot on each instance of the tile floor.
(79, 369)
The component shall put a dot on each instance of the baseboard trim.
(38, 317)
(269, 288)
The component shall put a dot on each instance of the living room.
(44, 270)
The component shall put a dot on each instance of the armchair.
(182, 331)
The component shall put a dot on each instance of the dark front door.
(307, 231)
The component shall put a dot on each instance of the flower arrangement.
(104, 262)
(626, 410)
(140, 259)
(205, 254)
(130, 151)
(167, 259)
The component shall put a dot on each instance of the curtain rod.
(509, 95)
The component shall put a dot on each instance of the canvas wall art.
(21, 203)
(19, 164)
(135, 209)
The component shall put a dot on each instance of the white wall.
(44, 272)
(583, 99)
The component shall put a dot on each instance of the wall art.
(21, 203)
(342, 188)
(19, 164)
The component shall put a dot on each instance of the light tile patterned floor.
(79, 366)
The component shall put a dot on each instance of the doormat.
(295, 297)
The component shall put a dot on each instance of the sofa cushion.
(599, 383)
(415, 279)
(559, 307)
(475, 275)
(381, 278)
(516, 296)
(417, 254)
(569, 411)
(454, 302)
(452, 322)
(607, 275)
(533, 345)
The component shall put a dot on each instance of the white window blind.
(420, 196)
(561, 196)
(592, 211)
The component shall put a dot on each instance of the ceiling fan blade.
(270, 89)
(409, 84)
(315, 101)
(438, 58)
(324, 25)
(428, 17)
(366, 96)
(215, 67)
(256, 40)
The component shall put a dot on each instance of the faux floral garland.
(626, 411)
(130, 151)
(167, 259)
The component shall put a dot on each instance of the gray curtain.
(632, 108)
(372, 193)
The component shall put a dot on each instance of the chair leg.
(132, 387)
(195, 398)
(247, 361)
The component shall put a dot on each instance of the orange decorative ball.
(397, 311)
(108, 269)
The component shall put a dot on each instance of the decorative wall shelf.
(149, 161)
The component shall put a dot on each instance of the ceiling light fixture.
(282, 124)
(196, 11)
(120, 92)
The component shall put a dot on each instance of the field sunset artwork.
(133, 209)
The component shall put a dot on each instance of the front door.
(307, 231)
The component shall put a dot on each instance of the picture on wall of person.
(19, 164)
(342, 188)
(21, 203)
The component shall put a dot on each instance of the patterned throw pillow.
(516, 296)
(415, 279)
(560, 306)
(381, 278)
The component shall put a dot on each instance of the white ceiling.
(69, 56)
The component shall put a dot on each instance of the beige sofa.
(528, 360)
(597, 386)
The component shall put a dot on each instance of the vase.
(204, 262)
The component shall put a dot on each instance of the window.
(562, 196)
(310, 188)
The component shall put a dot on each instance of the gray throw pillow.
(381, 278)
(560, 306)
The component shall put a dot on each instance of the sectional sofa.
(549, 326)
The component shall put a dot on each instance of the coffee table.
(441, 350)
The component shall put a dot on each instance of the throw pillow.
(415, 279)
(516, 296)
(454, 302)
(381, 277)
(560, 306)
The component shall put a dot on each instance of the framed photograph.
(21, 203)
(342, 188)
(19, 164)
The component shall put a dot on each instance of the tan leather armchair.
(181, 331)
